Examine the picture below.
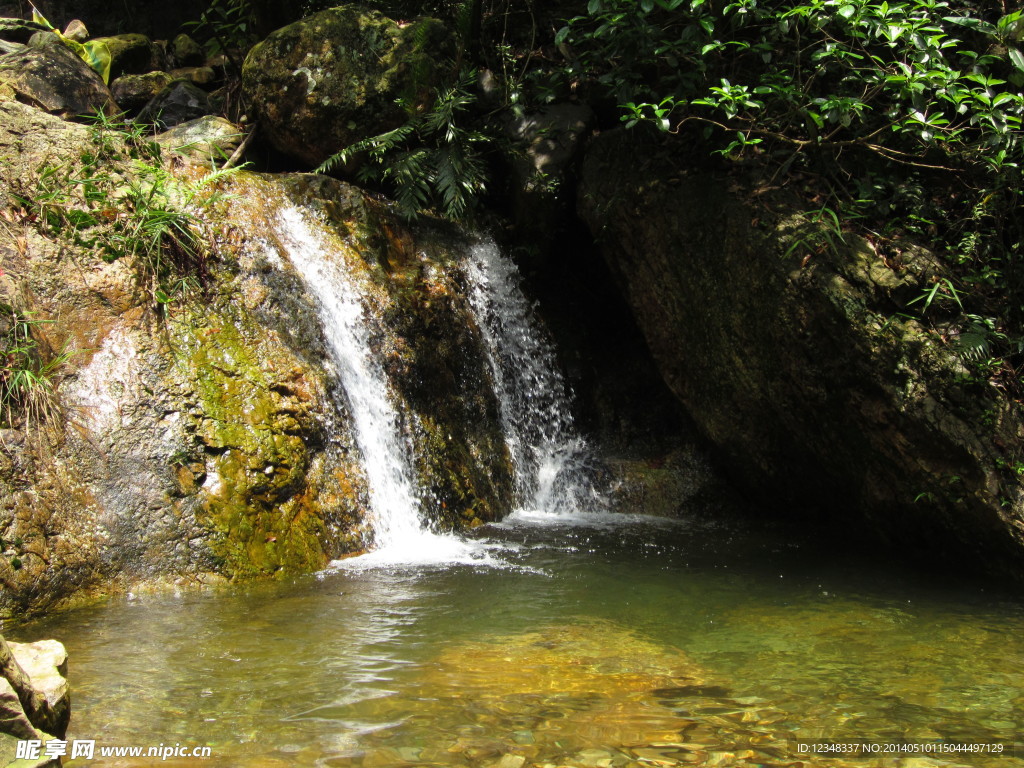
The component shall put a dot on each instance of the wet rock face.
(333, 78)
(207, 439)
(194, 441)
(430, 349)
(801, 372)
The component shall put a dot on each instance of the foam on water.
(431, 549)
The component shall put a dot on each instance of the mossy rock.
(130, 54)
(18, 30)
(801, 366)
(56, 80)
(186, 52)
(133, 92)
(335, 77)
(178, 103)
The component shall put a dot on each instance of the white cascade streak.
(547, 452)
(400, 536)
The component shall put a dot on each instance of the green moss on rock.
(338, 76)
(252, 425)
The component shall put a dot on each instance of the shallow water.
(606, 641)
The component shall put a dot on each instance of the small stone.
(594, 758)
(178, 103)
(77, 31)
(18, 30)
(187, 52)
(133, 92)
(202, 138)
(511, 761)
(197, 75)
(130, 54)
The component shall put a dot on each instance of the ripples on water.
(602, 641)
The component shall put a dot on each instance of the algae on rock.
(208, 440)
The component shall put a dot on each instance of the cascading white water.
(548, 453)
(400, 535)
(387, 456)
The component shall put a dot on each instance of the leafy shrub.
(901, 116)
(899, 79)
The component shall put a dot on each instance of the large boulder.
(798, 365)
(55, 79)
(338, 76)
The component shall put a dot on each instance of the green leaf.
(94, 53)
(38, 18)
(1017, 58)
(971, 23)
(847, 11)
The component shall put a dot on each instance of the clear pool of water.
(591, 642)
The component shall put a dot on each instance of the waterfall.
(387, 455)
(549, 455)
(400, 536)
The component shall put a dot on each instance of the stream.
(577, 640)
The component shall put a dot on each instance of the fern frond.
(451, 101)
(448, 184)
(377, 146)
(412, 174)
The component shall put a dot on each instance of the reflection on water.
(622, 642)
